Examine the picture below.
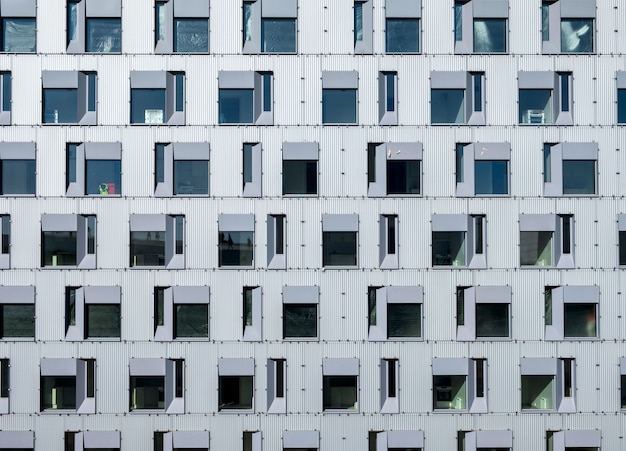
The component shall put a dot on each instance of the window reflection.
(236, 248)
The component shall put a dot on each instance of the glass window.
(339, 249)
(450, 392)
(536, 248)
(580, 320)
(458, 21)
(17, 320)
(492, 320)
(623, 392)
(402, 35)
(147, 248)
(538, 392)
(621, 106)
(59, 248)
(299, 177)
(191, 35)
(191, 321)
(447, 106)
(102, 320)
(5, 98)
(103, 177)
(404, 320)
(622, 248)
(5, 223)
(449, 249)
(147, 106)
(191, 177)
(535, 106)
(490, 35)
(278, 35)
(299, 320)
(236, 106)
(18, 177)
(340, 392)
(58, 393)
(60, 106)
(236, 248)
(579, 177)
(19, 34)
(577, 35)
(358, 21)
(339, 106)
(147, 392)
(403, 177)
(236, 392)
(104, 35)
(491, 177)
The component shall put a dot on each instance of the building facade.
(312, 224)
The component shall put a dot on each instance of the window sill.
(234, 411)
(297, 339)
(58, 411)
(340, 411)
(146, 411)
(235, 267)
(20, 339)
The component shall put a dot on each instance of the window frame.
(387, 116)
(159, 223)
(160, 367)
(554, 174)
(620, 77)
(249, 81)
(84, 386)
(6, 245)
(461, 367)
(172, 440)
(555, 224)
(363, 46)
(466, 166)
(622, 372)
(254, 331)
(179, 151)
(340, 81)
(234, 223)
(18, 295)
(389, 385)
(6, 88)
(479, 9)
(483, 294)
(547, 81)
(379, 156)
(85, 296)
(18, 9)
(79, 224)
(621, 243)
(91, 151)
(558, 10)
(179, 9)
(475, 258)
(184, 295)
(252, 440)
(338, 367)
(21, 151)
(254, 186)
(547, 366)
(85, 83)
(473, 109)
(267, 9)
(301, 296)
(276, 385)
(396, 294)
(276, 241)
(388, 246)
(236, 367)
(340, 223)
(168, 82)
(90, 9)
(562, 296)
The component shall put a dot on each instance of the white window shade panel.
(405, 295)
(191, 8)
(493, 294)
(301, 294)
(236, 222)
(147, 367)
(530, 366)
(102, 295)
(449, 223)
(279, 8)
(340, 367)
(190, 439)
(490, 8)
(403, 8)
(101, 439)
(17, 439)
(404, 151)
(340, 80)
(58, 367)
(148, 222)
(405, 439)
(450, 367)
(340, 223)
(236, 367)
(301, 439)
(301, 151)
(537, 223)
(17, 294)
(236, 79)
(17, 151)
(98, 8)
(578, 8)
(536, 80)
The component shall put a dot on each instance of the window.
(181, 169)
(621, 97)
(339, 97)
(17, 440)
(246, 97)
(17, 313)
(547, 240)
(17, 168)
(4, 385)
(545, 98)
(181, 26)
(567, 26)
(389, 386)
(457, 98)
(363, 27)
(5, 243)
(301, 440)
(459, 240)
(276, 245)
(181, 313)
(181, 441)
(573, 440)
(460, 384)
(252, 182)
(252, 440)
(68, 384)
(157, 97)
(93, 169)
(395, 313)
(340, 385)
(157, 240)
(388, 98)
(402, 34)
(19, 29)
(482, 169)
(94, 26)
(548, 384)
(69, 97)
(270, 26)
(396, 440)
(92, 440)
(300, 312)
(394, 169)
(621, 222)
(276, 386)
(480, 26)
(252, 313)
(571, 312)
(485, 440)
(340, 240)
(92, 312)
(68, 240)
(300, 162)
(157, 384)
(236, 384)
(388, 246)
(622, 366)
(5, 98)
(483, 313)
(569, 169)
(236, 240)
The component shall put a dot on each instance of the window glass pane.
(71, 164)
(147, 248)
(460, 172)
(279, 234)
(477, 81)
(535, 106)
(458, 21)
(340, 248)
(339, 106)
(299, 321)
(191, 177)
(579, 320)
(103, 177)
(191, 320)
(460, 306)
(545, 22)
(72, 20)
(159, 21)
(623, 392)
(236, 248)
(547, 163)
(536, 248)
(538, 392)
(577, 35)
(59, 248)
(447, 106)
(91, 234)
(6, 234)
(267, 92)
(58, 392)
(147, 392)
(247, 163)
(180, 92)
(191, 35)
(564, 78)
(278, 35)
(358, 21)
(579, 176)
(179, 234)
(18, 35)
(622, 248)
(236, 106)
(236, 392)
(247, 21)
(104, 35)
(490, 35)
(299, 177)
(371, 163)
(159, 163)
(449, 249)
(491, 177)
(6, 91)
(403, 177)
(402, 36)
(60, 106)
(340, 392)
(18, 320)
(621, 106)
(450, 392)
(4, 378)
(492, 320)
(102, 321)
(147, 106)
(371, 306)
(70, 307)
(247, 307)
(390, 92)
(91, 91)
(18, 177)
(404, 320)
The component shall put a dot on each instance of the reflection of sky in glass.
(577, 35)
(490, 35)
(402, 36)
(103, 35)
(278, 35)
(19, 35)
(191, 35)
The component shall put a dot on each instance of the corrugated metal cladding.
(593, 331)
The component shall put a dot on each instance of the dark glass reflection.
(58, 248)
(622, 248)
(236, 106)
(404, 320)
(58, 392)
(147, 248)
(102, 320)
(18, 176)
(490, 35)
(299, 177)
(339, 249)
(147, 392)
(17, 320)
(191, 177)
(60, 106)
(449, 249)
(621, 106)
(579, 177)
(191, 320)
(447, 106)
(147, 106)
(191, 35)
(278, 35)
(236, 392)
(492, 320)
(103, 35)
(536, 248)
(577, 35)
(6, 91)
(402, 36)
(535, 106)
(580, 320)
(236, 248)
(103, 177)
(19, 35)
(299, 320)
(339, 106)
(403, 177)
(491, 177)
(340, 392)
